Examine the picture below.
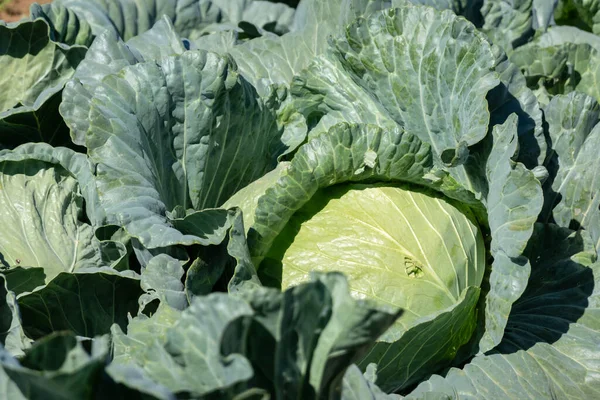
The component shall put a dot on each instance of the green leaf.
(582, 13)
(218, 42)
(421, 80)
(275, 17)
(30, 124)
(57, 367)
(129, 18)
(324, 94)
(20, 280)
(106, 56)
(191, 359)
(41, 219)
(247, 197)
(65, 26)
(161, 279)
(510, 24)
(226, 255)
(514, 202)
(55, 63)
(293, 344)
(366, 80)
(142, 331)
(337, 157)
(267, 60)
(551, 340)
(560, 66)
(54, 44)
(559, 35)
(210, 226)
(87, 303)
(243, 273)
(358, 387)
(313, 331)
(513, 96)
(406, 357)
(571, 193)
(77, 164)
(209, 136)
(12, 336)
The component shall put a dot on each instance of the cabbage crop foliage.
(341, 199)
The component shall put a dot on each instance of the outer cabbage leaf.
(559, 67)
(370, 81)
(247, 198)
(249, 341)
(572, 194)
(514, 203)
(320, 318)
(55, 63)
(358, 387)
(161, 280)
(510, 24)
(28, 124)
(267, 60)
(225, 257)
(56, 367)
(42, 211)
(191, 18)
(37, 57)
(218, 42)
(513, 96)
(433, 57)
(142, 331)
(195, 342)
(49, 186)
(108, 55)
(12, 336)
(203, 134)
(77, 164)
(582, 13)
(252, 17)
(470, 9)
(87, 303)
(559, 35)
(551, 341)
(325, 94)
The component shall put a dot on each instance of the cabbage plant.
(341, 199)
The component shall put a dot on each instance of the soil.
(14, 10)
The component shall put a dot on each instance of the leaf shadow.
(558, 291)
(502, 104)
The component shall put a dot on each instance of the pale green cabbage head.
(409, 248)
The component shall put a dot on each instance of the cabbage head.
(425, 204)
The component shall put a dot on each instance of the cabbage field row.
(336, 199)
